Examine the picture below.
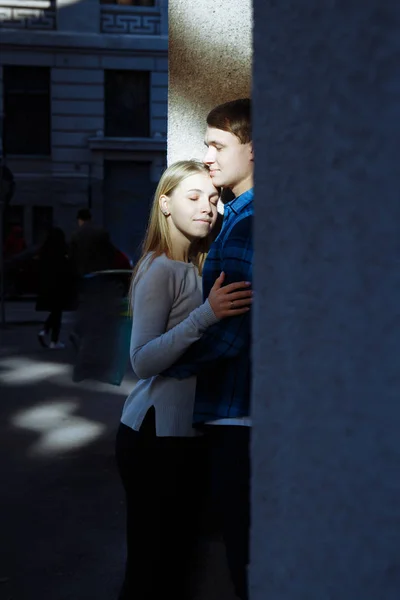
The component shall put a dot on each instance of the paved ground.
(61, 502)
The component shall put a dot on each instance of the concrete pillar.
(78, 15)
(210, 49)
(209, 62)
(326, 405)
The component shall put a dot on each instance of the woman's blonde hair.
(157, 239)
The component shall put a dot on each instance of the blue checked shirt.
(221, 358)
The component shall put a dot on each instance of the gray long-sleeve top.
(167, 318)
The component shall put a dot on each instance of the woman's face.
(192, 207)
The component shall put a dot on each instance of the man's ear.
(251, 149)
(163, 202)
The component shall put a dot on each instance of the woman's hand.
(227, 301)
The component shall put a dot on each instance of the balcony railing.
(131, 20)
(27, 14)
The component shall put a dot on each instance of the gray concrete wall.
(210, 50)
(326, 449)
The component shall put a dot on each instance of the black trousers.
(229, 466)
(53, 324)
(160, 477)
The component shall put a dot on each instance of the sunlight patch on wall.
(210, 61)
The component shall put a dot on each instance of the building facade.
(83, 103)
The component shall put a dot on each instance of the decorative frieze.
(130, 20)
(28, 14)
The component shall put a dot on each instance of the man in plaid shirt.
(221, 358)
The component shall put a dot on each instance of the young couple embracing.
(190, 350)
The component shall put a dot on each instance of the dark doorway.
(128, 193)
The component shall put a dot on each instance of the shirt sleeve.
(153, 348)
(226, 338)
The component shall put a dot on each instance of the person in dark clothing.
(56, 289)
(91, 249)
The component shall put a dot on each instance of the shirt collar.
(237, 205)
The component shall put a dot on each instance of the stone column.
(210, 48)
(81, 16)
(209, 62)
(326, 404)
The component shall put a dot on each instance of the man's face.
(230, 162)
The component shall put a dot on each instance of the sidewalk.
(61, 503)
(61, 506)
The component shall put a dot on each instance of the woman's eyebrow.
(201, 191)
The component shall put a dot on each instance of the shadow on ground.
(61, 505)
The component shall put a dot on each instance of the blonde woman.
(156, 448)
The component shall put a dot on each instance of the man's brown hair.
(234, 116)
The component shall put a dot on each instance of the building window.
(130, 2)
(127, 103)
(42, 222)
(26, 96)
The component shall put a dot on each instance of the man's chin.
(217, 180)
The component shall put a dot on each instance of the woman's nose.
(206, 207)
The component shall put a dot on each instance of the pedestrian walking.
(56, 287)
(157, 448)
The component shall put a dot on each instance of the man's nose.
(209, 156)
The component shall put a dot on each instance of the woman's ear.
(163, 201)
